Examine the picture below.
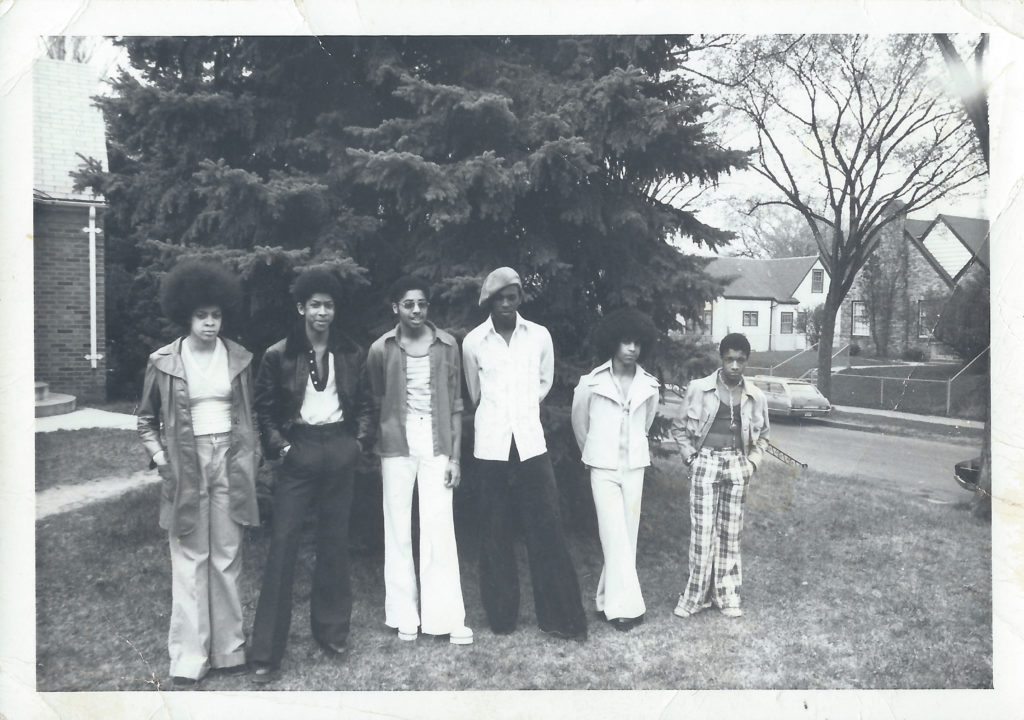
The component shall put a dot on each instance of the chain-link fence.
(964, 395)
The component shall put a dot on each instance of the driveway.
(919, 466)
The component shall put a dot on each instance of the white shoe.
(681, 610)
(733, 612)
(408, 634)
(461, 636)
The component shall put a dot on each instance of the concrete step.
(55, 404)
(42, 390)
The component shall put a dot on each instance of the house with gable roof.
(68, 248)
(927, 260)
(768, 300)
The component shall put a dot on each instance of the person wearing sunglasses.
(416, 379)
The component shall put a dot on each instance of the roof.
(972, 232)
(951, 253)
(917, 228)
(65, 124)
(762, 279)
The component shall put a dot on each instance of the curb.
(904, 427)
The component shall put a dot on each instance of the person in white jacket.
(612, 411)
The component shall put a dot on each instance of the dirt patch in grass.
(845, 586)
(70, 456)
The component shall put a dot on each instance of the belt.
(325, 429)
(720, 450)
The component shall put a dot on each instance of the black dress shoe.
(565, 635)
(234, 670)
(626, 624)
(184, 683)
(263, 673)
(332, 648)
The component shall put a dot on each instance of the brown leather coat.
(165, 423)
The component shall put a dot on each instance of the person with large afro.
(196, 422)
(612, 411)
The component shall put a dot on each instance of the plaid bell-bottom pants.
(717, 482)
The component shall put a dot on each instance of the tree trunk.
(825, 343)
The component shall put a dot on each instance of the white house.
(766, 300)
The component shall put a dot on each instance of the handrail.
(970, 363)
(793, 357)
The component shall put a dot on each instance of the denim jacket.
(701, 406)
(598, 414)
(386, 366)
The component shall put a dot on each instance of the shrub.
(913, 354)
(854, 349)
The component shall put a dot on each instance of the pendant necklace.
(732, 415)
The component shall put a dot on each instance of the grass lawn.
(845, 587)
(70, 456)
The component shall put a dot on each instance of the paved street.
(923, 467)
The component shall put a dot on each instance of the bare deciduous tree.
(73, 48)
(853, 132)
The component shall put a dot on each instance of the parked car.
(967, 473)
(789, 397)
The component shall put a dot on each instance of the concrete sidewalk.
(893, 421)
(868, 413)
(86, 418)
(65, 498)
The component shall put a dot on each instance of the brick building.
(897, 297)
(67, 257)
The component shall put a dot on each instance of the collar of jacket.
(709, 383)
(601, 382)
(297, 342)
(439, 334)
(168, 358)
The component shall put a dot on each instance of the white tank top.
(417, 384)
(209, 391)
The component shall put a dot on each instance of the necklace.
(732, 407)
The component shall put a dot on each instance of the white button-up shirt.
(507, 382)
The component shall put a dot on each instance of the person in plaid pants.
(722, 435)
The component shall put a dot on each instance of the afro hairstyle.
(406, 283)
(317, 279)
(620, 326)
(194, 284)
(734, 341)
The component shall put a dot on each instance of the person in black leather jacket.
(315, 410)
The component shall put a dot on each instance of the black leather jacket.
(281, 386)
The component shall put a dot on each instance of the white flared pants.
(617, 496)
(440, 609)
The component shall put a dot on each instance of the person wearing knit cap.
(509, 366)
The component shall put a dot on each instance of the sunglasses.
(410, 304)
